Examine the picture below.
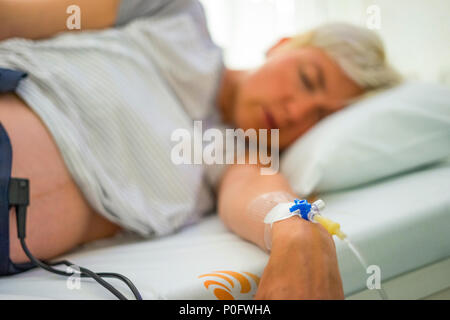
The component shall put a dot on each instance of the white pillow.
(392, 132)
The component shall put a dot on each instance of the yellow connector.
(332, 227)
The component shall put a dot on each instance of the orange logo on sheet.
(223, 289)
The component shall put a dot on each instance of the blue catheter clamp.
(302, 206)
(311, 212)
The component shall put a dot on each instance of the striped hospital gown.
(111, 100)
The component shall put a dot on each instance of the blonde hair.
(358, 51)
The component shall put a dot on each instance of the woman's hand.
(302, 264)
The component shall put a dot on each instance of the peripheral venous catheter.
(275, 206)
(307, 211)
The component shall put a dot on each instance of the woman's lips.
(270, 120)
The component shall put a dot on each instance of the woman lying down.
(91, 115)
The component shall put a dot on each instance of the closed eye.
(314, 80)
(306, 81)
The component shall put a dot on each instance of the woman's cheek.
(241, 116)
(289, 135)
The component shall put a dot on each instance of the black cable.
(18, 197)
(83, 271)
(118, 276)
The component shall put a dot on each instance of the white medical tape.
(269, 208)
(279, 212)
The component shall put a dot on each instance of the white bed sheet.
(401, 224)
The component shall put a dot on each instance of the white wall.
(416, 32)
(417, 36)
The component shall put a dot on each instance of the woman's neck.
(227, 93)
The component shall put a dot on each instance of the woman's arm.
(35, 19)
(303, 262)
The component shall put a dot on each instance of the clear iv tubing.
(334, 228)
(363, 262)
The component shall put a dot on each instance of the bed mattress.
(400, 224)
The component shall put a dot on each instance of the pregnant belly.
(59, 217)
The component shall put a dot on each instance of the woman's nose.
(295, 110)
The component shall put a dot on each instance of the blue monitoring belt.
(6, 265)
(9, 80)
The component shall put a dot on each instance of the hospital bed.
(401, 224)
